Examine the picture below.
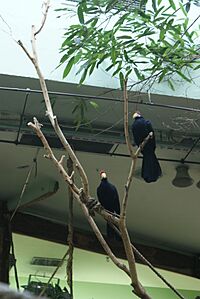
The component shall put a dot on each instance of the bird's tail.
(151, 169)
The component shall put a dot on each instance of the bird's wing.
(117, 204)
(149, 126)
(98, 193)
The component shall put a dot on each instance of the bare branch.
(46, 8)
(102, 240)
(70, 231)
(77, 194)
(50, 114)
(126, 132)
(36, 128)
(138, 288)
(25, 50)
(61, 159)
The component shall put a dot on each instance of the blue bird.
(141, 128)
(108, 197)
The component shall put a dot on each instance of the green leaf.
(171, 2)
(64, 58)
(121, 20)
(109, 67)
(77, 57)
(92, 68)
(158, 11)
(164, 72)
(197, 67)
(187, 7)
(68, 67)
(83, 76)
(183, 76)
(126, 56)
(143, 3)
(80, 14)
(102, 59)
(183, 9)
(121, 78)
(162, 34)
(125, 37)
(128, 73)
(154, 5)
(140, 77)
(113, 55)
(94, 104)
(111, 5)
(170, 84)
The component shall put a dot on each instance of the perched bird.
(108, 197)
(141, 128)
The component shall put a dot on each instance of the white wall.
(16, 18)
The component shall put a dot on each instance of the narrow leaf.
(111, 5)
(197, 67)
(138, 73)
(170, 84)
(187, 7)
(162, 75)
(154, 5)
(80, 14)
(172, 4)
(92, 68)
(113, 55)
(182, 8)
(94, 104)
(83, 76)
(183, 76)
(68, 67)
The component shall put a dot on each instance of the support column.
(4, 243)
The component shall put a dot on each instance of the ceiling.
(158, 214)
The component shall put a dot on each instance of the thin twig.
(36, 128)
(46, 8)
(70, 232)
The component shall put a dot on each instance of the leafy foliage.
(123, 39)
(80, 111)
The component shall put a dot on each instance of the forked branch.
(34, 59)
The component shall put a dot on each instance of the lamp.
(198, 186)
(182, 178)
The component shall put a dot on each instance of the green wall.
(91, 290)
(84, 290)
(95, 276)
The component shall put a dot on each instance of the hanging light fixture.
(182, 178)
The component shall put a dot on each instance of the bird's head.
(102, 174)
(136, 114)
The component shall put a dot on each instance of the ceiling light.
(198, 186)
(182, 178)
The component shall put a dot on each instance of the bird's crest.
(136, 114)
(103, 174)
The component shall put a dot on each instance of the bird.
(141, 128)
(108, 197)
